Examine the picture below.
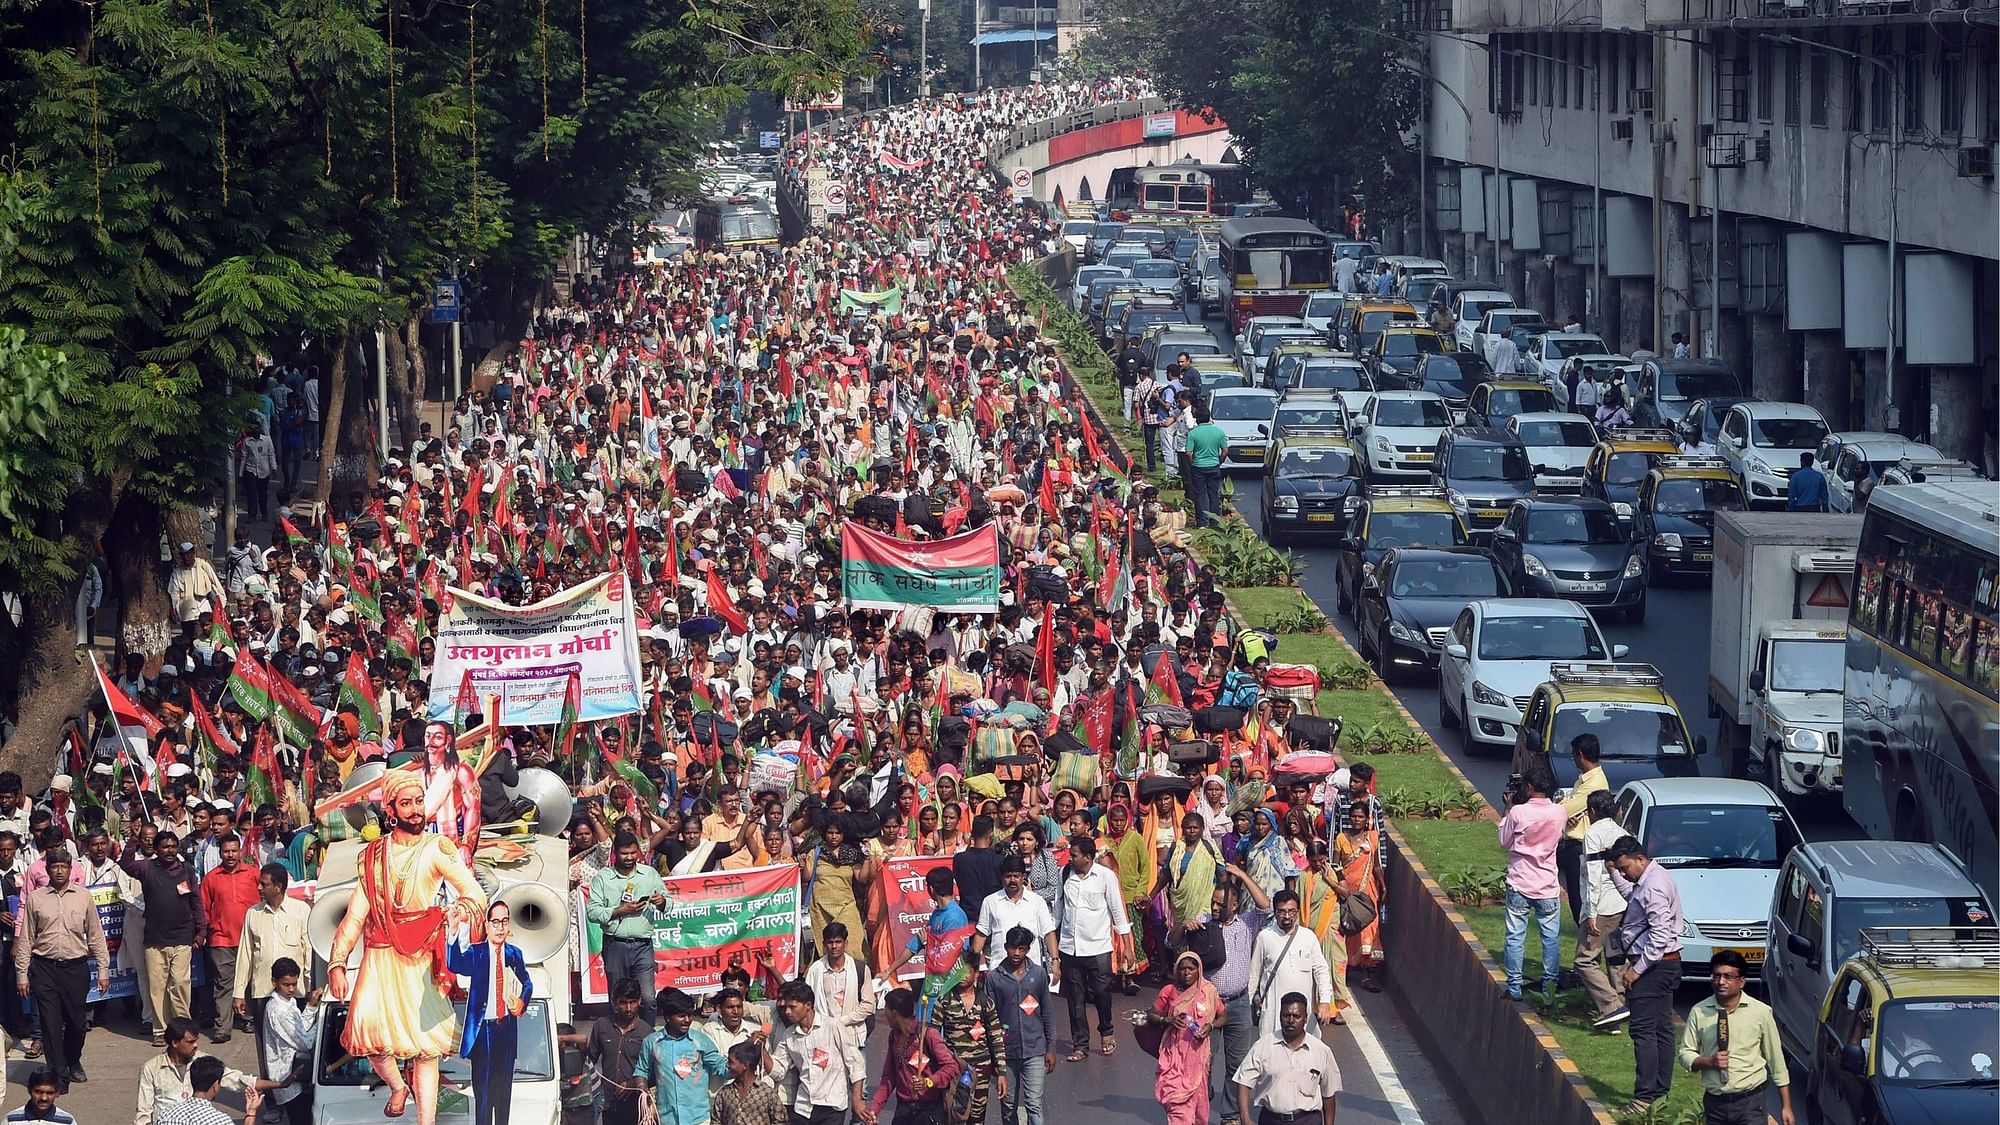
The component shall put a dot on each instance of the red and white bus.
(1271, 267)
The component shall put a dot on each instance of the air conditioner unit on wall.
(1642, 100)
(1725, 150)
(1660, 132)
(1621, 128)
(1976, 163)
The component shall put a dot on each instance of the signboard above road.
(769, 140)
(1159, 125)
(823, 103)
(1024, 183)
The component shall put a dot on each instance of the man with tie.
(499, 992)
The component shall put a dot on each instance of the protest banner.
(710, 922)
(524, 655)
(957, 575)
(910, 903)
(124, 975)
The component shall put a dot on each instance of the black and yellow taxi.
(1619, 462)
(1368, 319)
(1910, 1030)
(1640, 730)
(1391, 515)
(1675, 514)
(1400, 349)
(1310, 473)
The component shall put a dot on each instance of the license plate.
(1247, 454)
(1754, 956)
(1321, 517)
(1704, 556)
(1588, 587)
(1419, 456)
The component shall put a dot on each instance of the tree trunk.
(331, 418)
(355, 466)
(56, 685)
(420, 371)
(402, 391)
(133, 550)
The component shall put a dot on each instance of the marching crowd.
(1129, 791)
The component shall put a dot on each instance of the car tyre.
(1446, 719)
(1385, 668)
(1774, 769)
(1341, 601)
(1637, 614)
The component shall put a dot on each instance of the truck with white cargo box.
(1777, 644)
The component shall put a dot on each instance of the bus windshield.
(748, 226)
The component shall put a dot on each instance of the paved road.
(1386, 1079)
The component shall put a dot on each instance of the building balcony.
(1542, 15)
(1820, 13)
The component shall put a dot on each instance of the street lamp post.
(1889, 352)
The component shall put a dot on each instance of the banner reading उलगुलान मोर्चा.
(525, 655)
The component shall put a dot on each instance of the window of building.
(1562, 73)
(1990, 83)
(1765, 78)
(1794, 86)
(1913, 91)
(1951, 95)
(1732, 88)
(1822, 78)
(1881, 88)
(1576, 79)
(1608, 60)
(1855, 101)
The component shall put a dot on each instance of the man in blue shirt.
(1807, 491)
(1020, 991)
(677, 1061)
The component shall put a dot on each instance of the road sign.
(1024, 183)
(1831, 593)
(769, 140)
(447, 302)
(836, 198)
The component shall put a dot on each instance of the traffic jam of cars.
(1493, 488)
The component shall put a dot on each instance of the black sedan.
(1573, 548)
(1404, 617)
(1675, 519)
(1451, 375)
(1307, 482)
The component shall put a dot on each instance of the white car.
(1398, 433)
(1504, 322)
(1558, 445)
(1079, 288)
(1499, 651)
(1245, 415)
(1549, 354)
(1762, 442)
(1724, 840)
(1321, 308)
(1470, 307)
(1852, 456)
(1077, 233)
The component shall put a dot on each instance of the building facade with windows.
(1580, 151)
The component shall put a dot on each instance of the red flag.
(136, 725)
(1045, 647)
(1046, 494)
(720, 604)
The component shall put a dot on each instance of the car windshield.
(1310, 462)
(1414, 529)
(1080, 227)
(1787, 433)
(1625, 732)
(1156, 268)
(1567, 346)
(1213, 377)
(1808, 666)
(1699, 384)
(1242, 408)
(1697, 495)
(1462, 367)
(1332, 377)
(1109, 231)
(1938, 1040)
(1574, 526)
(1411, 412)
(1571, 434)
(1322, 305)
(1719, 835)
(1491, 462)
(1540, 638)
(533, 1062)
(1473, 577)
(1411, 344)
(1507, 403)
(1099, 286)
(1508, 322)
(1476, 310)
(1331, 416)
(1151, 236)
(1627, 468)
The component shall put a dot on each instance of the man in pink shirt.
(1529, 834)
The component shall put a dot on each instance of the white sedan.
(1245, 415)
(1499, 650)
(1079, 289)
(1551, 351)
(1558, 445)
(1762, 442)
(1398, 432)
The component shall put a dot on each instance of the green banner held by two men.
(888, 300)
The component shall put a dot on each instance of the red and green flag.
(357, 688)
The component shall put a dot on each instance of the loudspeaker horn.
(552, 800)
(329, 906)
(360, 812)
(540, 917)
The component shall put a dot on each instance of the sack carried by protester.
(1312, 732)
(1075, 771)
(1166, 716)
(991, 742)
(1014, 767)
(1154, 784)
(1357, 913)
(1063, 742)
(1299, 683)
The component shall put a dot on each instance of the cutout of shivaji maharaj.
(400, 1011)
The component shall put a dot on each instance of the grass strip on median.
(1463, 855)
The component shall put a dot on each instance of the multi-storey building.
(1580, 151)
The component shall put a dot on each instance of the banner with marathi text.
(957, 575)
(910, 902)
(710, 922)
(525, 655)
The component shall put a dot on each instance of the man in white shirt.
(274, 934)
(818, 1063)
(1602, 911)
(1090, 908)
(287, 1031)
(1287, 959)
(1291, 1076)
(842, 992)
(1014, 905)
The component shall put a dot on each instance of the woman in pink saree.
(1191, 1008)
